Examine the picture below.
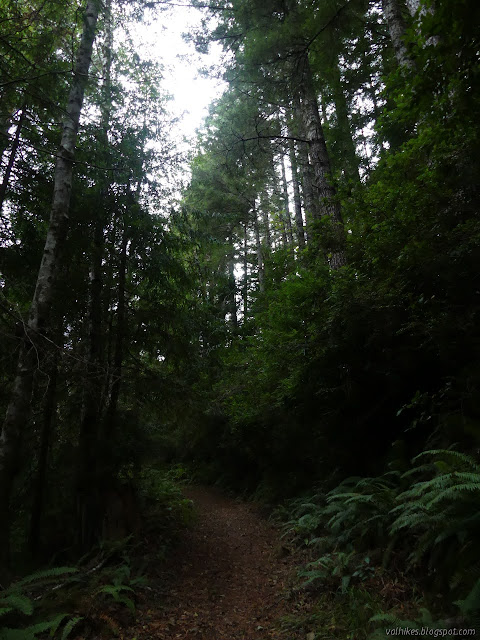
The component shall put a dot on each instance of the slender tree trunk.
(94, 466)
(280, 214)
(95, 378)
(87, 500)
(245, 273)
(119, 340)
(283, 228)
(324, 191)
(266, 225)
(310, 205)
(296, 196)
(349, 155)
(11, 157)
(396, 27)
(19, 407)
(309, 201)
(232, 290)
(5, 123)
(258, 243)
(42, 469)
(288, 219)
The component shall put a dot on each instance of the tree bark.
(232, 290)
(11, 157)
(258, 243)
(95, 379)
(245, 272)
(266, 224)
(18, 410)
(42, 469)
(348, 152)
(310, 207)
(119, 340)
(309, 202)
(324, 191)
(288, 219)
(296, 196)
(396, 27)
(5, 123)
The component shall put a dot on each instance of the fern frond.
(455, 456)
(55, 572)
(16, 602)
(69, 627)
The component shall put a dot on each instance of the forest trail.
(229, 584)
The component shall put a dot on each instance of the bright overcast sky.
(192, 93)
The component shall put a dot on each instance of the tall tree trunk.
(95, 378)
(87, 499)
(245, 272)
(288, 219)
(45, 441)
(232, 289)
(310, 205)
(324, 191)
(347, 146)
(11, 157)
(280, 214)
(18, 410)
(296, 196)
(309, 202)
(396, 26)
(258, 243)
(266, 225)
(119, 339)
(5, 124)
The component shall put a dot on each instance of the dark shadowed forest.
(245, 403)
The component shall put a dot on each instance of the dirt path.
(230, 582)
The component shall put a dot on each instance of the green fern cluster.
(430, 515)
(359, 509)
(468, 618)
(357, 512)
(441, 511)
(18, 604)
(120, 583)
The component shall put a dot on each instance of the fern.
(69, 627)
(41, 576)
(33, 631)
(115, 590)
(15, 602)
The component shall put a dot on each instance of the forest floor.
(228, 579)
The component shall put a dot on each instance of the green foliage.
(162, 494)
(337, 567)
(337, 616)
(19, 601)
(441, 510)
(427, 516)
(117, 592)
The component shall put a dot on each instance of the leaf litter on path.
(226, 579)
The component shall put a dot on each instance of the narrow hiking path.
(228, 581)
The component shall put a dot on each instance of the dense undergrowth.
(97, 596)
(397, 550)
